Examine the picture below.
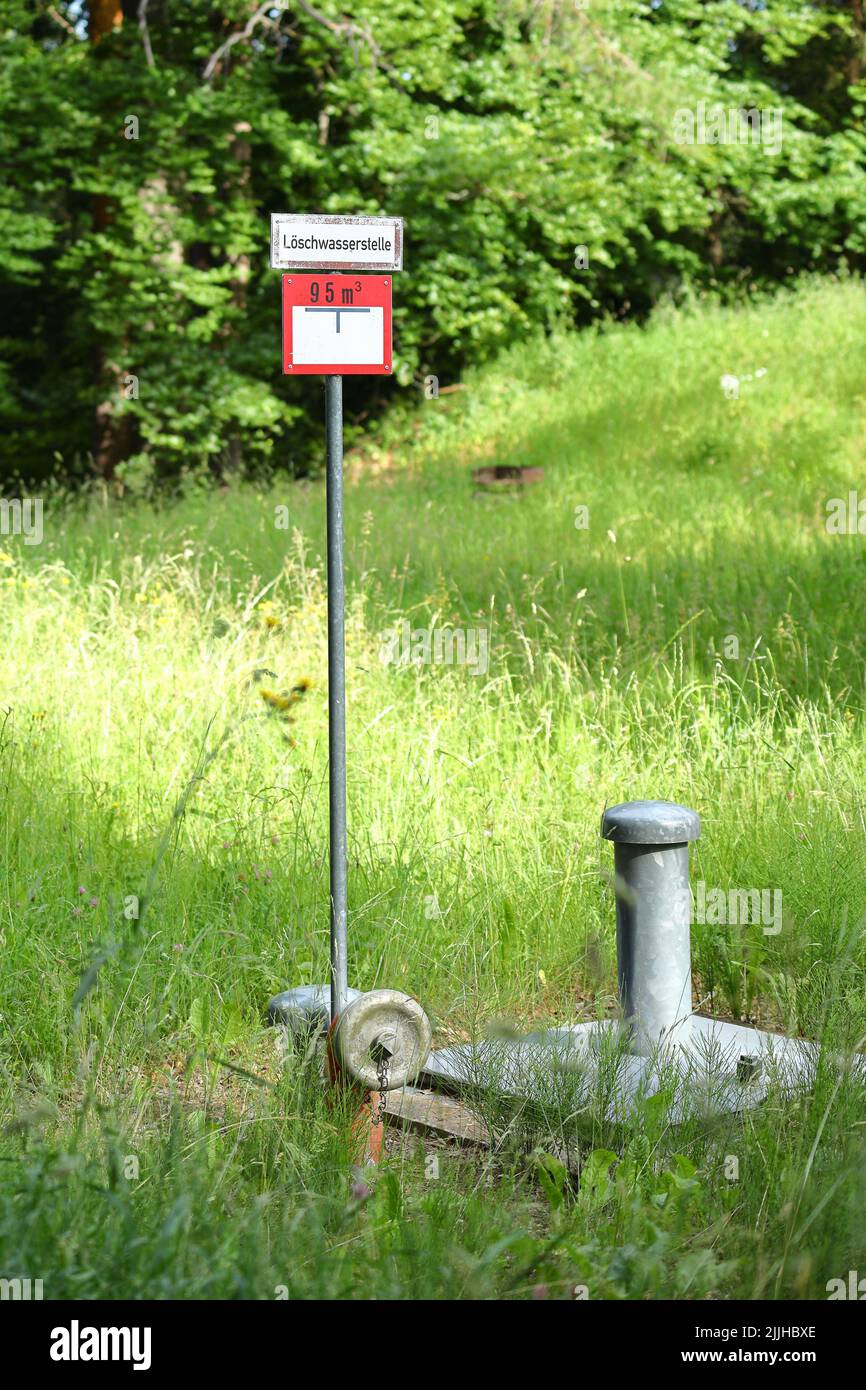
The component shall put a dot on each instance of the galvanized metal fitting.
(304, 1008)
(653, 936)
(382, 1039)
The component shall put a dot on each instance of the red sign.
(337, 325)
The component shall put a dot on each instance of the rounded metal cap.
(383, 1029)
(305, 1007)
(650, 823)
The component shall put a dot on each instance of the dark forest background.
(145, 144)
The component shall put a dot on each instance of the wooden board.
(436, 1114)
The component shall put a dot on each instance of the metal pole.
(336, 695)
(653, 934)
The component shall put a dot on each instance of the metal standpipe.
(718, 1066)
(653, 936)
(336, 695)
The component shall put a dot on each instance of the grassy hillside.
(694, 634)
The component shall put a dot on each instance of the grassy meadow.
(694, 634)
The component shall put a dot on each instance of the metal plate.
(322, 241)
(337, 325)
(710, 1066)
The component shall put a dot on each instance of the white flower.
(730, 385)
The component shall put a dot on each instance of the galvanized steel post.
(336, 695)
(653, 938)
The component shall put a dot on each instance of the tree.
(532, 147)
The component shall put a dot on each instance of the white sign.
(352, 337)
(336, 324)
(313, 242)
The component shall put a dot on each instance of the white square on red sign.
(337, 325)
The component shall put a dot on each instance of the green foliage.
(506, 133)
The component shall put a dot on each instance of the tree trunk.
(110, 439)
(855, 64)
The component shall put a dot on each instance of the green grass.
(158, 1142)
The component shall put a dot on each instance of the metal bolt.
(749, 1067)
(653, 939)
(382, 1048)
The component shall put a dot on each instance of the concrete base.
(704, 1067)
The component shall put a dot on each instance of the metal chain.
(382, 1071)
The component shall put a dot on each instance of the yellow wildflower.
(280, 702)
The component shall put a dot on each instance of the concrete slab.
(705, 1066)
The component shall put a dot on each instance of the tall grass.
(164, 837)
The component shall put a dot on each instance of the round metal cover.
(383, 1027)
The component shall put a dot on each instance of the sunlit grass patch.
(163, 756)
